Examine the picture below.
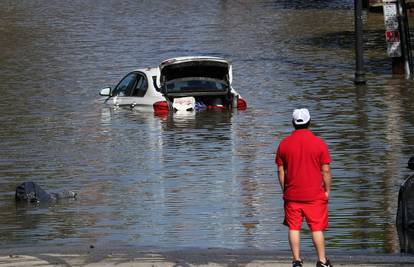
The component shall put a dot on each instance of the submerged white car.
(183, 83)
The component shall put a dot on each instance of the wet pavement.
(209, 257)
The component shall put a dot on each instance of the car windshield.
(196, 85)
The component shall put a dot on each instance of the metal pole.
(360, 73)
(404, 33)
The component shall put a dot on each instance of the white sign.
(390, 16)
(394, 49)
(392, 28)
(184, 103)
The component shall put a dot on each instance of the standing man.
(305, 178)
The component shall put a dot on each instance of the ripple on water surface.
(196, 180)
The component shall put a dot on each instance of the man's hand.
(326, 174)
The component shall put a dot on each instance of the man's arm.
(281, 174)
(326, 174)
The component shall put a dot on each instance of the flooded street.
(205, 180)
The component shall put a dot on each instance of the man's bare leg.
(319, 243)
(294, 242)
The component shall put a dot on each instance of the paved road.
(91, 256)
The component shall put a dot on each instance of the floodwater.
(205, 180)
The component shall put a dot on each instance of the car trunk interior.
(209, 69)
(215, 70)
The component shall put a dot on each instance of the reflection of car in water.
(218, 118)
(405, 213)
(184, 83)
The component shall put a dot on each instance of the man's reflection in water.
(405, 213)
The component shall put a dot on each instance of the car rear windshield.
(196, 85)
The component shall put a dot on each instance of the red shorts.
(315, 213)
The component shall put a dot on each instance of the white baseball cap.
(301, 116)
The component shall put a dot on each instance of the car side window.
(126, 85)
(141, 86)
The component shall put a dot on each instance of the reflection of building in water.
(371, 145)
(392, 172)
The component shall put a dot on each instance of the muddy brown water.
(204, 180)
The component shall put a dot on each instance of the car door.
(139, 93)
(122, 92)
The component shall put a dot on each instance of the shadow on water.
(316, 4)
(373, 39)
(344, 40)
(405, 213)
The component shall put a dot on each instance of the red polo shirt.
(302, 155)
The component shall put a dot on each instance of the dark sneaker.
(326, 264)
(297, 263)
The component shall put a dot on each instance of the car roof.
(153, 71)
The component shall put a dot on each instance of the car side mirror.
(105, 92)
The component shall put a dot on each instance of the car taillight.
(161, 107)
(241, 104)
